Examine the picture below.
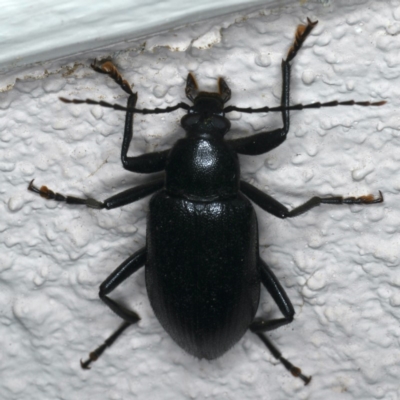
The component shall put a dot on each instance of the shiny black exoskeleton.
(203, 268)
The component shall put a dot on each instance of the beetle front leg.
(284, 304)
(124, 271)
(266, 141)
(146, 163)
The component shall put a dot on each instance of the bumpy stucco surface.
(39, 30)
(339, 264)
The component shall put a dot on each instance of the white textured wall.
(339, 264)
(40, 30)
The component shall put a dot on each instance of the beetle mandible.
(203, 269)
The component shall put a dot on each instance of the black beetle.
(203, 269)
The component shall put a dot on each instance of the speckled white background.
(340, 265)
(40, 30)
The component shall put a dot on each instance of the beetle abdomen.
(201, 271)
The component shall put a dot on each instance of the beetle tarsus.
(111, 70)
(367, 199)
(44, 191)
(93, 203)
(85, 364)
(48, 194)
(337, 200)
(301, 34)
(295, 371)
(95, 354)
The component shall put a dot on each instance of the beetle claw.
(296, 372)
(85, 364)
(93, 356)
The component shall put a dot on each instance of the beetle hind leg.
(295, 371)
(124, 271)
(275, 289)
(95, 354)
(260, 325)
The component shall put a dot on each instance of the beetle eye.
(220, 123)
(190, 120)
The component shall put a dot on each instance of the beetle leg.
(48, 194)
(295, 371)
(133, 194)
(124, 271)
(275, 289)
(118, 200)
(260, 325)
(111, 70)
(272, 206)
(95, 354)
(302, 32)
(266, 141)
(145, 163)
(316, 201)
(263, 200)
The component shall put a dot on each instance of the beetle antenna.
(122, 108)
(305, 106)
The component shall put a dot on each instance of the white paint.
(339, 264)
(41, 30)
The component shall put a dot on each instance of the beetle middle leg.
(124, 271)
(127, 268)
(118, 200)
(274, 207)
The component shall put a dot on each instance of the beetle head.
(207, 113)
